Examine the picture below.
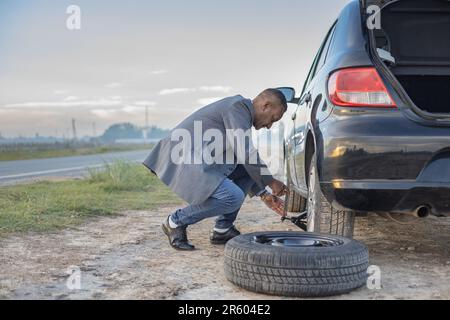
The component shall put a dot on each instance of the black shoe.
(177, 237)
(222, 238)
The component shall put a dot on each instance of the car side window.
(326, 48)
(320, 58)
(310, 75)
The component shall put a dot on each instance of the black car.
(371, 132)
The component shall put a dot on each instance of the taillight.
(359, 87)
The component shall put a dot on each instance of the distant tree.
(121, 131)
(157, 133)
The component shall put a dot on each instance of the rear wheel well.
(309, 152)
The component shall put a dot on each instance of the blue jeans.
(225, 202)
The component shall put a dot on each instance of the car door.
(302, 114)
(296, 141)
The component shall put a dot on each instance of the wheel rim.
(311, 206)
(297, 240)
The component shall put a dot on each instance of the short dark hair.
(278, 95)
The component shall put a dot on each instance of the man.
(217, 188)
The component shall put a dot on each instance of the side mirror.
(289, 93)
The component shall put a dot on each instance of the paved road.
(12, 172)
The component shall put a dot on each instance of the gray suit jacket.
(196, 182)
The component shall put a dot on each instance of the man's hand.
(278, 188)
(274, 203)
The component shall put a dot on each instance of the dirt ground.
(128, 257)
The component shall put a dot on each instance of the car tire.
(268, 262)
(294, 201)
(322, 216)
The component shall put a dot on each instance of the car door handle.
(298, 137)
(306, 98)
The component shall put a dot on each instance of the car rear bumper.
(389, 196)
(381, 161)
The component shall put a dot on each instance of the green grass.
(30, 153)
(47, 206)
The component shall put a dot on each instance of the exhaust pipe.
(422, 211)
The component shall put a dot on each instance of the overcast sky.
(171, 55)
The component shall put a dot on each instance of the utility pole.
(146, 124)
(74, 130)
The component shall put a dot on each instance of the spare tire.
(300, 264)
